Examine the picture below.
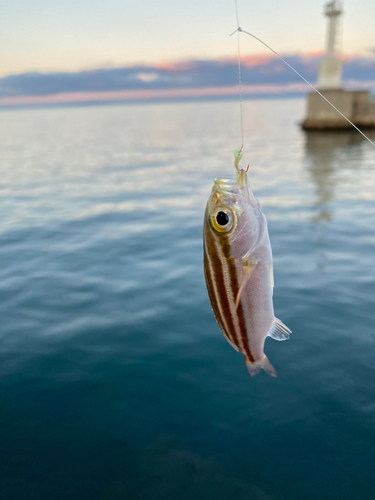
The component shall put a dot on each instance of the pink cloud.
(250, 60)
(173, 80)
(175, 66)
(130, 95)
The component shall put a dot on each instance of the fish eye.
(222, 220)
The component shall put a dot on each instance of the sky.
(73, 35)
(87, 50)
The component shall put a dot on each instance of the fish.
(238, 269)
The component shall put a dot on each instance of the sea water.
(115, 380)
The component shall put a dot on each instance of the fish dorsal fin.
(279, 331)
(248, 268)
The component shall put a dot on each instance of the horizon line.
(266, 91)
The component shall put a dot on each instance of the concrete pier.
(355, 105)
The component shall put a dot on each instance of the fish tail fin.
(262, 364)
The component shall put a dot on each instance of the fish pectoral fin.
(248, 268)
(279, 331)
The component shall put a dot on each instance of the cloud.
(141, 95)
(147, 77)
(260, 74)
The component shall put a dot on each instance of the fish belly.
(256, 301)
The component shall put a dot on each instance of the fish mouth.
(229, 191)
(225, 190)
(230, 188)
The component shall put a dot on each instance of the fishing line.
(239, 69)
(240, 30)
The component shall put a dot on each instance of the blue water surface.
(115, 380)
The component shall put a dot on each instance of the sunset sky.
(66, 52)
(73, 35)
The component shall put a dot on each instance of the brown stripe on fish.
(211, 288)
(228, 290)
(240, 311)
(212, 294)
(220, 304)
(216, 281)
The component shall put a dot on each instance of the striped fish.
(238, 270)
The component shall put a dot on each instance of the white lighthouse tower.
(330, 69)
(356, 105)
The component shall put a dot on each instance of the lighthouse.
(330, 69)
(357, 105)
